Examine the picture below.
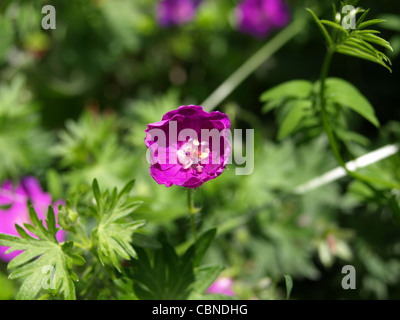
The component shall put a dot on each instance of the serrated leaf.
(299, 89)
(40, 255)
(345, 94)
(77, 259)
(113, 234)
(293, 117)
(23, 234)
(127, 188)
(169, 275)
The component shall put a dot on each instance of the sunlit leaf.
(345, 94)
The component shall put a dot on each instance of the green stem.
(324, 114)
(329, 131)
(86, 243)
(252, 64)
(192, 211)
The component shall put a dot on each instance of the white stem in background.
(339, 172)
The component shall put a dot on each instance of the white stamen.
(191, 153)
(187, 164)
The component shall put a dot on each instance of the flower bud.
(67, 218)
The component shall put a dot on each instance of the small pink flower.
(176, 12)
(222, 285)
(260, 17)
(17, 198)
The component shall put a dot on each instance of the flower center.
(192, 153)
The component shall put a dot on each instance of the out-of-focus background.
(75, 101)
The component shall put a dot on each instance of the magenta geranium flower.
(14, 201)
(223, 285)
(188, 147)
(259, 17)
(176, 12)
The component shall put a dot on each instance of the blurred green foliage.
(75, 101)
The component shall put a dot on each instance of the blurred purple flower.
(188, 147)
(259, 17)
(17, 198)
(222, 285)
(176, 12)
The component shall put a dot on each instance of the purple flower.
(17, 198)
(222, 285)
(176, 12)
(188, 146)
(260, 17)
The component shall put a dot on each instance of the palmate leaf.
(44, 263)
(115, 228)
(169, 276)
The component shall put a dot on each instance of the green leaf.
(350, 136)
(345, 94)
(334, 25)
(204, 278)
(54, 183)
(362, 18)
(144, 241)
(289, 286)
(115, 228)
(291, 120)
(377, 40)
(369, 23)
(44, 263)
(322, 28)
(391, 22)
(355, 52)
(202, 245)
(96, 191)
(171, 276)
(299, 89)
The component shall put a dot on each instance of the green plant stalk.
(328, 129)
(192, 211)
(324, 114)
(255, 61)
